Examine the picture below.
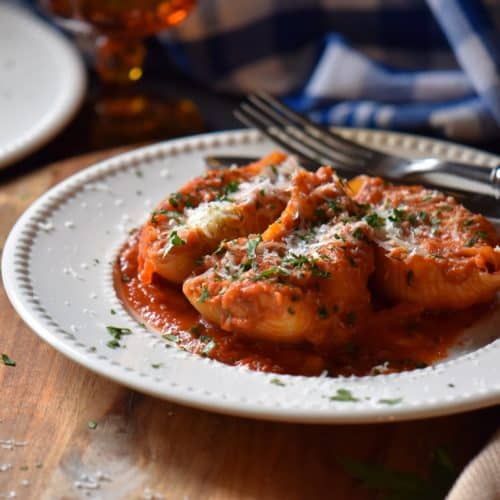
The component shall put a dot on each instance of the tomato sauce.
(396, 340)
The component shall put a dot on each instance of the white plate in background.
(42, 83)
(65, 295)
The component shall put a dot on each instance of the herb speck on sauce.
(92, 424)
(410, 277)
(323, 312)
(205, 294)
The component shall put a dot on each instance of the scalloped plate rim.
(120, 375)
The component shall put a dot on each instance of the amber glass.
(117, 29)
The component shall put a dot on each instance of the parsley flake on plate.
(277, 381)
(344, 396)
(390, 402)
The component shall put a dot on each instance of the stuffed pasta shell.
(431, 250)
(220, 205)
(303, 280)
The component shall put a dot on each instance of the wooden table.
(143, 447)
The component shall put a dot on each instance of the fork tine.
(252, 119)
(350, 148)
(291, 129)
(267, 116)
(300, 152)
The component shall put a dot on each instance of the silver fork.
(318, 145)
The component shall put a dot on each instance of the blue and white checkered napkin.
(399, 64)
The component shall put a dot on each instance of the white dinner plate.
(42, 82)
(58, 274)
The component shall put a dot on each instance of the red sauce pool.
(397, 344)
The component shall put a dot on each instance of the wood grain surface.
(142, 447)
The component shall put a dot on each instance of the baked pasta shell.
(431, 251)
(192, 222)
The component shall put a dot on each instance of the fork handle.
(487, 180)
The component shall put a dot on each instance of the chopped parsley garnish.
(172, 338)
(176, 240)
(221, 248)
(321, 215)
(436, 256)
(412, 219)
(320, 273)
(252, 246)
(207, 348)
(397, 215)
(294, 260)
(7, 361)
(195, 329)
(138, 173)
(344, 396)
(229, 188)
(125, 278)
(245, 266)
(468, 223)
(277, 381)
(359, 235)
(390, 402)
(162, 211)
(272, 272)
(334, 205)
(112, 311)
(350, 318)
(174, 199)
(435, 221)
(374, 220)
(205, 294)
(423, 216)
(410, 277)
(323, 312)
(92, 424)
(479, 235)
(117, 333)
(156, 365)
(113, 344)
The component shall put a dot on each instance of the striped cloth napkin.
(417, 65)
(480, 480)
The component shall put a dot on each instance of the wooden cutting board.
(66, 433)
